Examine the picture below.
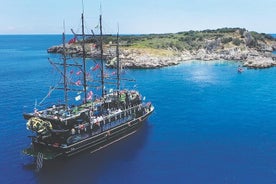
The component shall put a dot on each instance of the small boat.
(240, 70)
(65, 129)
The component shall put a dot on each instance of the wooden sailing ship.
(65, 129)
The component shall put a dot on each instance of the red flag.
(79, 72)
(89, 96)
(78, 83)
(95, 67)
(73, 40)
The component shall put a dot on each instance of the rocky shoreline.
(251, 52)
(146, 59)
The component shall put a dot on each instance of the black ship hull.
(90, 143)
(106, 138)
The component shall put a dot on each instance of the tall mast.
(65, 85)
(118, 62)
(83, 59)
(102, 64)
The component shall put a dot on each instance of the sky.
(136, 16)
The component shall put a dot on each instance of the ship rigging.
(65, 129)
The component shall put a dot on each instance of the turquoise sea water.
(211, 124)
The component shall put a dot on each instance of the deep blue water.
(211, 124)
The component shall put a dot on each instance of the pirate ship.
(67, 128)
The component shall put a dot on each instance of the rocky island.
(254, 50)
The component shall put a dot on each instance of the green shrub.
(225, 40)
(236, 41)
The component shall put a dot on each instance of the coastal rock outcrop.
(254, 50)
(259, 62)
(141, 58)
(132, 58)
